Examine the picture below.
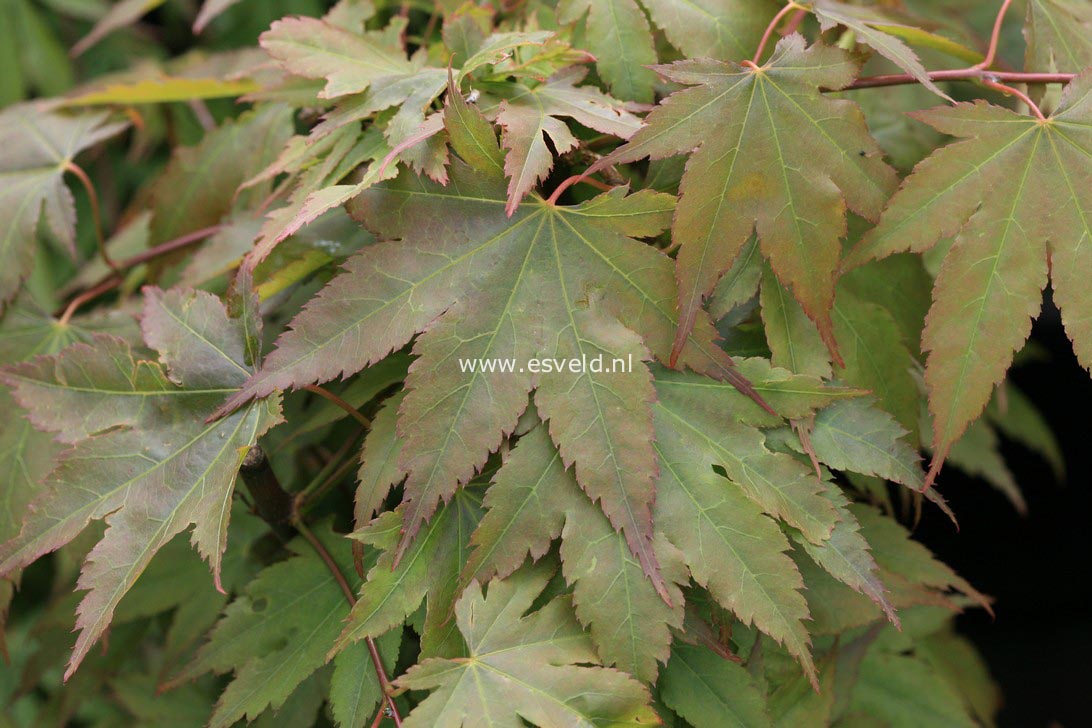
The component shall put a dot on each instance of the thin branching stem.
(343, 584)
(770, 29)
(96, 215)
(349, 409)
(995, 37)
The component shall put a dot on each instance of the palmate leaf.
(1059, 35)
(39, 146)
(727, 30)
(621, 40)
(278, 633)
(535, 668)
(990, 284)
(710, 691)
(775, 156)
(141, 455)
(529, 116)
(550, 282)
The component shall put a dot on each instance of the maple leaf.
(533, 500)
(40, 147)
(394, 590)
(990, 285)
(773, 155)
(1059, 36)
(726, 30)
(489, 286)
(534, 667)
(529, 116)
(278, 632)
(621, 40)
(710, 691)
(141, 457)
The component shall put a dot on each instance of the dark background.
(1039, 647)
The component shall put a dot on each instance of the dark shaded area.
(1035, 566)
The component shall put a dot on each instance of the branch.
(961, 74)
(275, 506)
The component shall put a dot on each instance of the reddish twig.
(114, 280)
(961, 74)
(770, 29)
(373, 650)
(995, 37)
(349, 409)
(93, 198)
(575, 179)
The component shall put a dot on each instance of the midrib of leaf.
(415, 507)
(925, 207)
(859, 345)
(718, 356)
(524, 503)
(782, 167)
(642, 547)
(909, 474)
(783, 315)
(83, 644)
(694, 295)
(709, 687)
(980, 309)
(850, 162)
(718, 528)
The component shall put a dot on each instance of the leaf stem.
(93, 198)
(1018, 94)
(770, 29)
(349, 409)
(373, 650)
(995, 37)
(271, 490)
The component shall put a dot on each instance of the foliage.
(321, 288)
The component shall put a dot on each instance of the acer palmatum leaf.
(1016, 191)
(141, 456)
(773, 155)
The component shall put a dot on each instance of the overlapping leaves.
(141, 456)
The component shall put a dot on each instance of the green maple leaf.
(535, 668)
(278, 632)
(990, 285)
(710, 691)
(533, 500)
(1059, 36)
(549, 281)
(773, 155)
(142, 457)
(39, 149)
(621, 40)
(727, 30)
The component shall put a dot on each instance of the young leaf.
(39, 147)
(773, 155)
(530, 116)
(990, 284)
(143, 458)
(856, 435)
(533, 667)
